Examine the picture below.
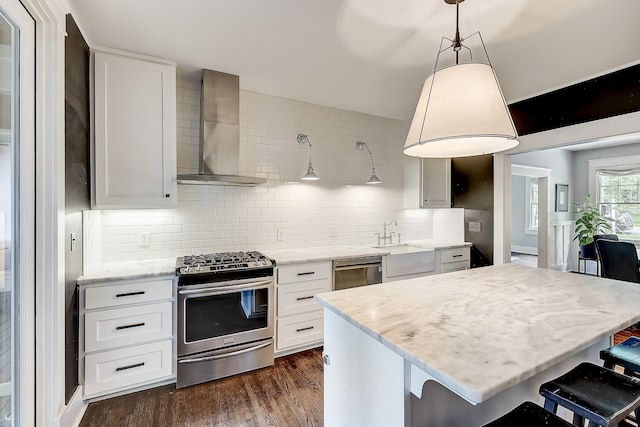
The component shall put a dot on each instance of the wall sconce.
(310, 175)
(461, 111)
(374, 179)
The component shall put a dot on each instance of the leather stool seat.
(595, 393)
(626, 354)
(529, 414)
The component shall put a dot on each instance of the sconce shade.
(374, 179)
(461, 112)
(310, 175)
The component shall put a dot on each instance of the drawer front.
(455, 266)
(299, 330)
(299, 297)
(304, 272)
(105, 329)
(109, 371)
(455, 255)
(127, 293)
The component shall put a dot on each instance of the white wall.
(213, 218)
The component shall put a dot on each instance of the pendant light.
(373, 179)
(310, 175)
(461, 110)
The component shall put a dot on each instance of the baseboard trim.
(524, 249)
(72, 413)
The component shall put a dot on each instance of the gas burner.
(222, 261)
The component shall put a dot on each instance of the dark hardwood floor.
(288, 394)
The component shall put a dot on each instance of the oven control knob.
(199, 268)
(187, 269)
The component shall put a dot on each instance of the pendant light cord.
(457, 43)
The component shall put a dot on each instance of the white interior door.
(17, 123)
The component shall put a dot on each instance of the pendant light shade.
(461, 112)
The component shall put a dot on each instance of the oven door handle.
(215, 290)
(225, 355)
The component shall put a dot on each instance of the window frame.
(611, 163)
(528, 208)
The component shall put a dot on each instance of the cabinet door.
(436, 183)
(134, 150)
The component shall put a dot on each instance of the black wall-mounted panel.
(605, 96)
(76, 186)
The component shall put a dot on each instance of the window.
(531, 208)
(618, 198)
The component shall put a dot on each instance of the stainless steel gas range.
(225, 315)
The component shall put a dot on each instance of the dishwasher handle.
(358, 266)
(351, 263)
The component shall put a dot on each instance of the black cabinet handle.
(135, 325)
(307, 273)
(124, 368)
(130, 294)
(457, 256)
(304, 298)
(308, 328)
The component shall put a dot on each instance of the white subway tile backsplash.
(217, 218)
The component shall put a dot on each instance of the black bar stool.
(529, 414)
(591, 392)
(626, 354)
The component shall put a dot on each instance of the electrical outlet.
(475, 227)
(333, 231)
(281, 235)
(144, 240)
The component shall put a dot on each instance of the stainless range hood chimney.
(220, 133)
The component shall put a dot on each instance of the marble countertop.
(481, 331)
(128, 270)
(328, 253)
(166, 266)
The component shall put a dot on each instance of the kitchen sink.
(399, 248)
(405, 259)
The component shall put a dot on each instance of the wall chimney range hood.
(220, 133)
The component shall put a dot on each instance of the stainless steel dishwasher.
(354, 272)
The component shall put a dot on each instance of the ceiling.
(369, 56)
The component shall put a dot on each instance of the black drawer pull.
(135, 325)
(123, 368)
(304, 298)
(457, 256)
(308, 328)
(307, 273)
(130, 294)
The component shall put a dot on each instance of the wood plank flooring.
(288, 394)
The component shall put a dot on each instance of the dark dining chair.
(619, 260)
(597, 237)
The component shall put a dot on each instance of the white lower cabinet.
(300, 330)
(299, 323)
(127, 330)
(112, 370)
(454, 259)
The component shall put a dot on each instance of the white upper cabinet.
(134, 146)
(427, 183)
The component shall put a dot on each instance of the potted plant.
(589, 223)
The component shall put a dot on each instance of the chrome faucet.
(384, 237)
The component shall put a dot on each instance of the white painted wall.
(213, 218)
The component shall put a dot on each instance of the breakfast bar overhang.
(463, 348)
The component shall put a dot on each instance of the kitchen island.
(463, 348)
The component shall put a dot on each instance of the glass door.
(7, 201)
(16, 200)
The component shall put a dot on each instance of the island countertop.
(481, 331)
